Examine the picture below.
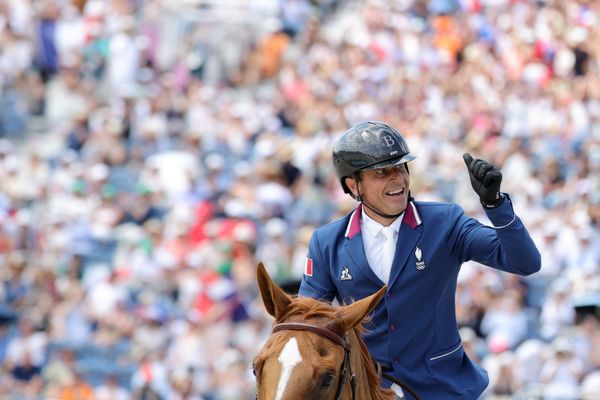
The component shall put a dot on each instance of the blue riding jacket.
(414, 328)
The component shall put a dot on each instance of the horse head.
(315, 351)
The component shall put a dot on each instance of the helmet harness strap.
(381, 214)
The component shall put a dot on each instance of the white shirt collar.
(374, 228)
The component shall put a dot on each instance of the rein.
(395, 380)
(346, 365)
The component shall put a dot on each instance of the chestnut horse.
(316, 351)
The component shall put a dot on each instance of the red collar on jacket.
(411, 218)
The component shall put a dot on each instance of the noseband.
(335, 338)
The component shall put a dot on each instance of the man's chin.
(396, 206)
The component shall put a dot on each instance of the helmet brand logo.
(388, 140)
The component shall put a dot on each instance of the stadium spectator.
(140, 158)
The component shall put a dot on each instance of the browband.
(301, 326)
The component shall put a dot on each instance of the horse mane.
(308, 309)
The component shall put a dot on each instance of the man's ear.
(350, 181)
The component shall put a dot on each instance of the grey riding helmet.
(368, 145)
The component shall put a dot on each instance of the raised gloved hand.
(485, 179)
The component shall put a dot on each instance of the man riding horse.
(416, 249)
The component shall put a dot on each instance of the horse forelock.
(308, 309)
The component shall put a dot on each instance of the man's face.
(385, 189)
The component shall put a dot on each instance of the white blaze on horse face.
(288, 358)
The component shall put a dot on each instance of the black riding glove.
(485, 179)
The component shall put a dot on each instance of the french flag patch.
(308, 267)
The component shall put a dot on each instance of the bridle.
(346, 368)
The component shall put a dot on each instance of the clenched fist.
(485, 179)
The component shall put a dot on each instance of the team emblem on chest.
(345, 276)
(420, 264)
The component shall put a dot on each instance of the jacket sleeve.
(506, 246)
(318, 283)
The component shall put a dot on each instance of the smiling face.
(384, 189)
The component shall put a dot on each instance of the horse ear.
(353, 314)
(274, 298)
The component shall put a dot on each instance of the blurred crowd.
(153, 151)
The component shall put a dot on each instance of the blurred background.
(152, 152)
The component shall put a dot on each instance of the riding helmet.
(368, 145)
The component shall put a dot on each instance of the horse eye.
(327, 380)
(323, 351)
